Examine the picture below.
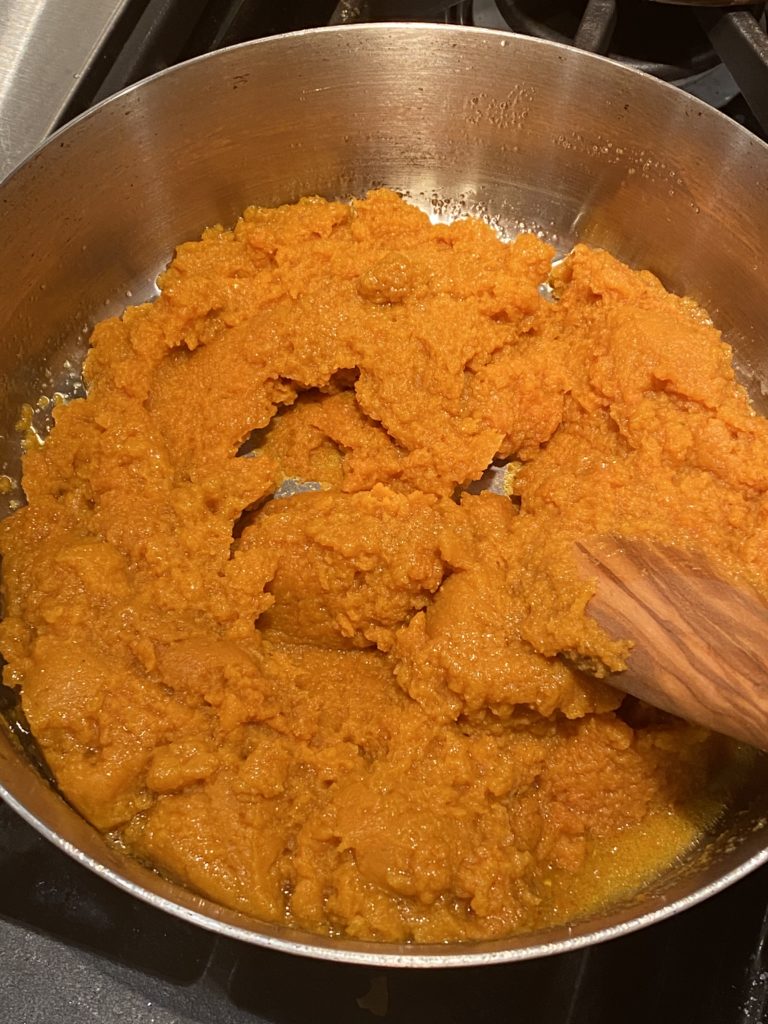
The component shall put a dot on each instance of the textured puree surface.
(376, 708)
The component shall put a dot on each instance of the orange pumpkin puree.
(357, 709)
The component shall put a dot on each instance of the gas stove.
(74, 948)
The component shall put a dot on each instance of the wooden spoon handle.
(700, 643)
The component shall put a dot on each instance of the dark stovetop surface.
(75, 949)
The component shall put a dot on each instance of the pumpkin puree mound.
(359, 709)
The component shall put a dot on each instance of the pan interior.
(525, 134)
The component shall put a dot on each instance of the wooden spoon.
(700, 643)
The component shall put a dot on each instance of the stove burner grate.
(666, 42)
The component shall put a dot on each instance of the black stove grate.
(75, 949)
(666, 42)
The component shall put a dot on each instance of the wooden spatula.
(700, 643)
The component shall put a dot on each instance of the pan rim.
(371, 953)
(400, 28)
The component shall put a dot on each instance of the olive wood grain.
(700, 643)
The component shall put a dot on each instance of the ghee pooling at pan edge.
(361, 709)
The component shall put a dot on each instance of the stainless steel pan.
(523, 132)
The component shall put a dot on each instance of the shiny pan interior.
(526, 133)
